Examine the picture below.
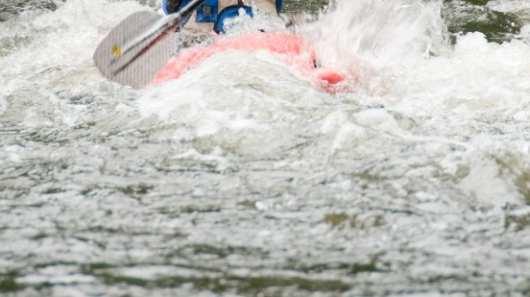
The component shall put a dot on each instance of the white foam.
(406, 64)
(486, 184)
(377, 33)
(69, 35)
(3, 105)
(398, 47)
(207, 97)
(509, 5)
(525, 33)
(477, 75)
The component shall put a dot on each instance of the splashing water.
(378, 33)
(242, 179)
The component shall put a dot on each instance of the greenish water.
(463, 16)
(311, 6)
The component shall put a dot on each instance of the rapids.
(242, 179)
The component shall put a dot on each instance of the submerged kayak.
(288, 47)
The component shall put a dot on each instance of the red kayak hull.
(290, 48)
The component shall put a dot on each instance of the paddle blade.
(137, 67)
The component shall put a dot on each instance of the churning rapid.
(242, 179)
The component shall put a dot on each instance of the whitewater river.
(243, 179)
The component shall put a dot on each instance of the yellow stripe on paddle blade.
(116, 51)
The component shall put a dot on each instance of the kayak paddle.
(140, 45)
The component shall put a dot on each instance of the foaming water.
(409, 66)
(509, 5)
(241, 178)
(56, 56)
(377, 33)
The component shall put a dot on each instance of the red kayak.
(290, 48)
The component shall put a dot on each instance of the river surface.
(242, 179)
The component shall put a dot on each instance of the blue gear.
(206, 12)
(167, 7)
(230, 12)
(279, 6)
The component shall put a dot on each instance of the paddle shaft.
(159, 28)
